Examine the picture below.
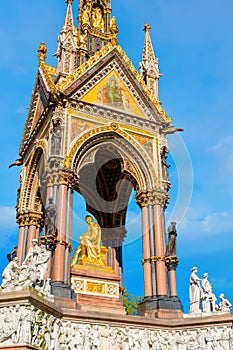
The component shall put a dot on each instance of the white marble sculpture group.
(25, 324)
(202, 298)
(32, 272)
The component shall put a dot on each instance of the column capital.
(152, 197)
(171, 262)
(61, 176)
(108, 11)
(30, 219)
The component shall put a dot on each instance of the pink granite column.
(159, 239)
(48, 275)
(20, 247)
(50, 193)
(146, 252)
(59, 256)
(173, 290)
(31, 236)
(68, 234)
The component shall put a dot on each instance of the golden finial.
(69, 2)
(147, 27)
(113, 25)
(42, 49)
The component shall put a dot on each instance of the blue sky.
(193, 41)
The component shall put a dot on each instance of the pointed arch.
(31, 182)
(135, 160)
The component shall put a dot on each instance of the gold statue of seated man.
(89, 249)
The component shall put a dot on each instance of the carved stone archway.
(109, 166)
(30, 205)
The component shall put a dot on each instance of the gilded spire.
(42, 50)
(67, 43)
(69, 22)
(96, 28)
(147, 27)
(149, 69)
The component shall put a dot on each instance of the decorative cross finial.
(147, 27)
(42, 50)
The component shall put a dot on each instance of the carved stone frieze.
(114, 115)
(27, 324)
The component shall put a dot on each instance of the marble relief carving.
(26, 324)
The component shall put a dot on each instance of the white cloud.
(133, 227)
(9, 228)
(196, 224)
(223, 150)
(222, 283)
(223, 146)
(7, 217)
(20, 110)
(216, 223)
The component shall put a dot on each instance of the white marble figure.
(32, 255)
(161, 339)
(194, 291)
(156, 340)
(47, 335)
(224, 304)
(35, 340)
(42, 263)
(25, 325)
(46, 289)
(225, 341)
(136, 340)
(32, 272)
(207, 296)
(121, 339)
(209, 338)
(10, 274)
(55, 334)
(79, 336)
(201, 339)
(75, 340)
(95, 338)
(66, 336)
(24, 279)
(87, 339)
(181, 341)
(143, 339)
(106, 338)
(171, 341)
(8, 328)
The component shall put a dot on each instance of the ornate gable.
(113, 93)
(87, 80)
(36, 109)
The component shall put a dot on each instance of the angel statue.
(89, 250)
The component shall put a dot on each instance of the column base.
(62, 290)
(161, 306)
(97, 288)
